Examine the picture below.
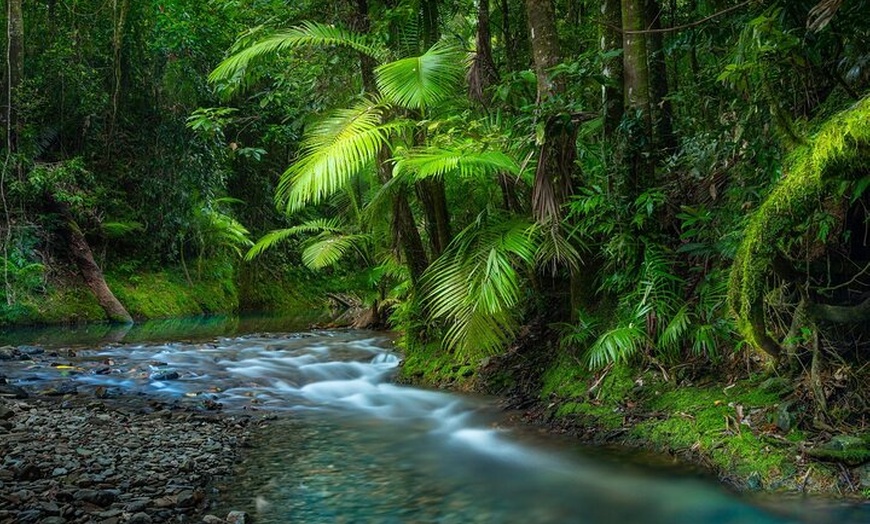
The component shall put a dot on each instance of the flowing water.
(350, 446)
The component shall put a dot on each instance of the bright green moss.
(838, 152)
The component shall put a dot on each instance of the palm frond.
(334, 151)
(331, 249)
(420, 82)
(673, 334)
(475, 285)
(556, 249)
(617, 345)
(272, 238)
(434, 161)
(307, 33)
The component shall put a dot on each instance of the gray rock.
(139, 518)
(101, 497)
(211, 519)
(8, 353)
(6, 413)
(30, 350)
(187, 499)
(53, 520)
(9, 390)
(785, 416)
(238, 517)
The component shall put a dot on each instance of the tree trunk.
(404, 227)
(553, 174)
(611, 42)
(120, 8)
(15, 67)
(662, 112)
(431, 24)
(637, 93)
(431, 194)
(91, 272)
(483, 73)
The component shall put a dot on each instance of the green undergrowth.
(164, 294)
(730, 427)
(429, 364)
(58, 303)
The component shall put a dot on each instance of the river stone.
(6, 413)
(238, 517)
(8, 390)
(211, 519)
(102, 497)
(139, 518)
(8, 353)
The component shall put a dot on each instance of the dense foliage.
(655, 181)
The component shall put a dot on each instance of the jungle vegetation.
(655, 182)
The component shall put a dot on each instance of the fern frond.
(307, 33)
(420, 82)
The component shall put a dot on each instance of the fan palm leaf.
(420, 82)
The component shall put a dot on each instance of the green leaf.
(423, 81)
(334, 151)
(307, 33)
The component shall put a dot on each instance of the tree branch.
(679, 27)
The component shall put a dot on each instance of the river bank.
(73, 458)
(752, 430)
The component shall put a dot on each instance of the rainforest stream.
(349, 445)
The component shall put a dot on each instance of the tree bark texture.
(15, 66)
(431, 24)
(637, 95)
(483, 74)
(432, 196)
(611, 41)
(552, 182)
(662, 111)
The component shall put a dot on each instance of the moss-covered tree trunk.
(91, 272)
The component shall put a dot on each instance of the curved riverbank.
(751, 430)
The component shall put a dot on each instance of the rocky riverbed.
(75, 459)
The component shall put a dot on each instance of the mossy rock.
(846, 449)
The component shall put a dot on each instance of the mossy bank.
(753, 430)
(170, 292)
